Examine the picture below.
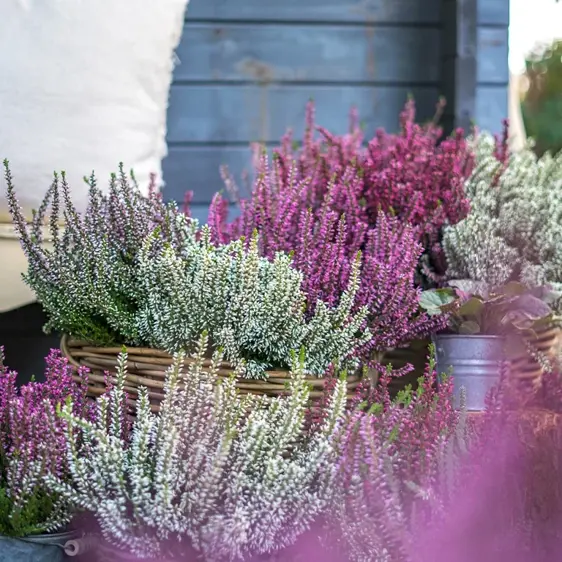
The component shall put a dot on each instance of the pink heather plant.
(415, 175)
(32, 445)
(418, 482)
(389, 469)
(325, 244)
(335, 197)
(414, 423)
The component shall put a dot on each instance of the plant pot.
(475, 363)
(147, 367)
(34, 548)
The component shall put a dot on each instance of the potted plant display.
(33, 519)
(232, 476)
(489, 327)
(333, 196)
(135, 271)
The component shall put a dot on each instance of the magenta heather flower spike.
(415, 174)
(32, 435)
(333, 197)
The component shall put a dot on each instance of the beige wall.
(517, 130)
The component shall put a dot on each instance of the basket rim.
(67, 344)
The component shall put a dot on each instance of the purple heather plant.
(33, 444)
(324, 244)
(483, 487)
(390, 466)
(415, 175)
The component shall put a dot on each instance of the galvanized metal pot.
(35, 548)
(475, 363)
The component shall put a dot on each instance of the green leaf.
(474, 306)
(469, 328)
(435, 300)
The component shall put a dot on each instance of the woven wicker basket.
(147, 367)
(528, 369)
(416, 355)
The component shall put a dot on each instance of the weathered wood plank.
(242, 114)
(491, 107)
(491, 12)
(200, 211)
(380, 11)
(492, 57)
(301, 53)
(196, 168)
(459, 64)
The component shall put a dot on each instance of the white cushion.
(84, 84)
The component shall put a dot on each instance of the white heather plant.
(235, 476)
(253, 308)
(514, 229)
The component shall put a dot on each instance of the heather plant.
(133, 270)
(397, 468)
(483, 492)
(514, 229)
(324, 245)
(233, 475)
(253, 308)
(32, 446)
(414, 421)
(415, 175)
(87, 280)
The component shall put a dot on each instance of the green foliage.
(499, 310)
(437, 301)
(542, 105)
(133, 270)
(253, 308)
(29, 517)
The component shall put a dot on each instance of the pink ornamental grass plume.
(324, 245)
(32, 444)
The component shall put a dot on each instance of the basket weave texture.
(147, 367)
(528, 369)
